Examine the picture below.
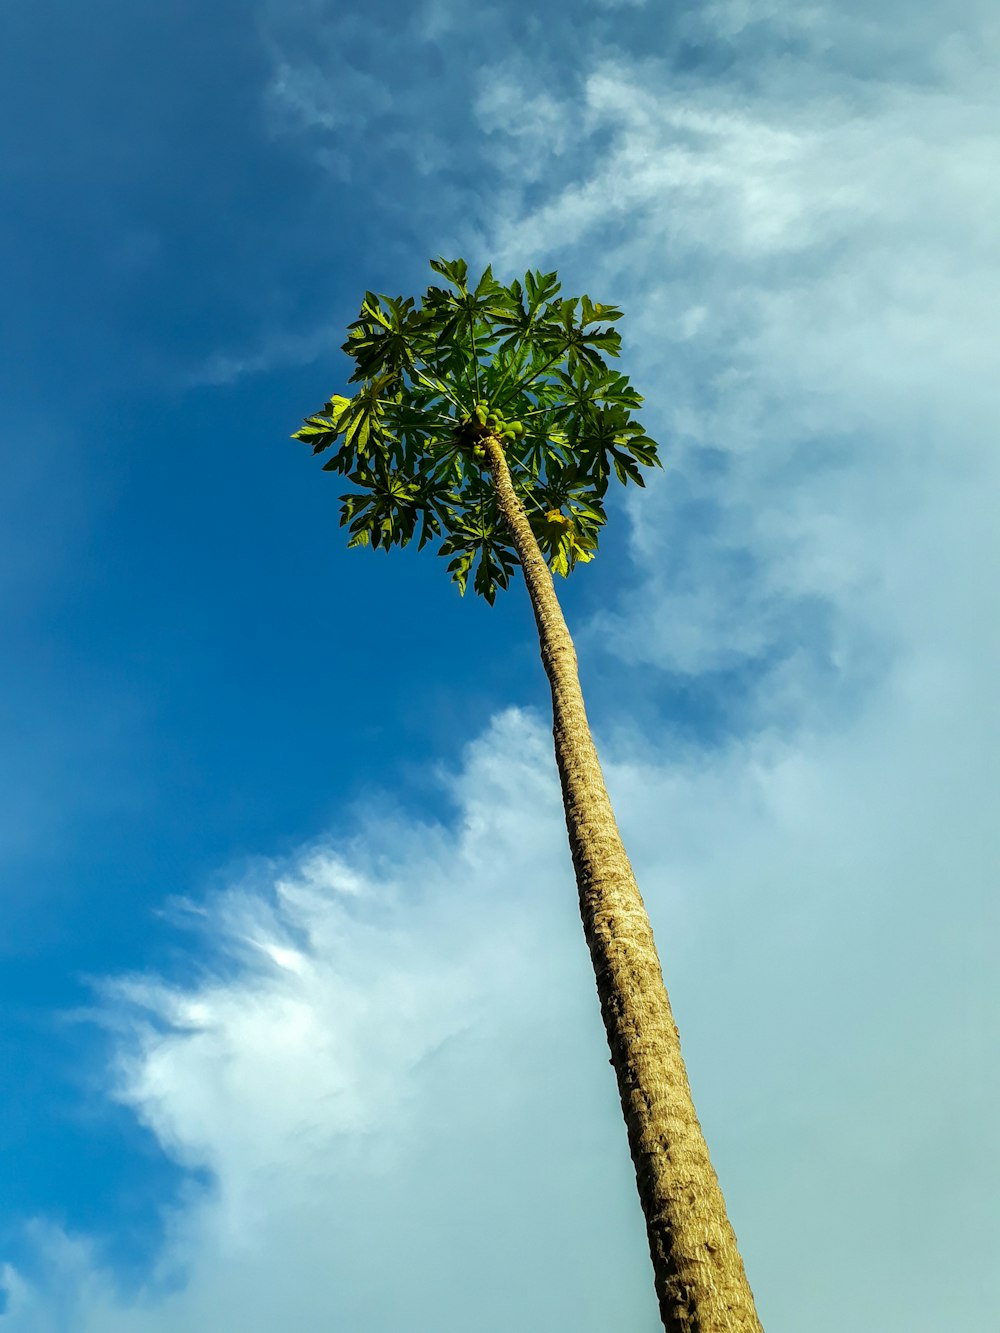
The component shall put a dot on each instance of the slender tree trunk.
(700, 1281)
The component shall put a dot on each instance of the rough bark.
(700, 1281)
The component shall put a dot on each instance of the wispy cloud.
(812, 308)
(275, 351)
(377, 1059)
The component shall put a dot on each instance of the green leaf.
(625, 469)
(455, 270)
(459, 569)
(487, 284)
(339, 462)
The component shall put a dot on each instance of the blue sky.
(297, 1024)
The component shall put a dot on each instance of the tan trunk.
(700, 1281)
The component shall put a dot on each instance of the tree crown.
(515, 362)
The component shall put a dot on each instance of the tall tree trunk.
(700, 1281)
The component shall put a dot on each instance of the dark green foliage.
(515, 362)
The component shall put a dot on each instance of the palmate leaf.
(594, 311)
(322, 430)
(408, 436)
(474, 537)
(455, 270)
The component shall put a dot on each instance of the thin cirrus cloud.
(813, 312)
(391, 1065)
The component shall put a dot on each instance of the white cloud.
(812, 291)
(532, 123)
(376, 1115)
(812, 281)
(275, 350)
(303, 96)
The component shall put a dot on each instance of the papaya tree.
(488, 416)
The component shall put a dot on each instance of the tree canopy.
(514, 361)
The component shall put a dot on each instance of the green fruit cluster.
(480, 422)
(487, 420)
